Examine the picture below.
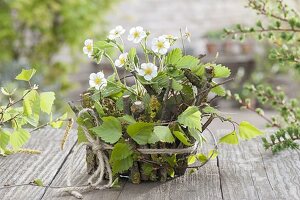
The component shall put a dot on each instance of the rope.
(98, 149)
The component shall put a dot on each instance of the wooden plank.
(203, 184)
(79, 177)
(243, 174)
(283, 171)
(23, 168)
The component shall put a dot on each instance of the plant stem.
(113, 66)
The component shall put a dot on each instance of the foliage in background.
(282, 29)
(18, 113)
(33, 32)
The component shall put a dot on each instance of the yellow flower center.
(136, 34)
(122, 60)
(148, 71)
(89, 47)
(160, 45)
(98, 81)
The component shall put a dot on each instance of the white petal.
(132, 30)
(93, 76)
(100, 75)
(88, 42)
(130, 37)
(143, 34)
(118, 63)
(92, 83)
(154, 73)
(141, 72)
(139, 28)
(111, 37)
(148, 77)
(97, 87)
(163, 51)
(144, 65)
(167, 44)
(136, 40)
(154, 41)
(85, 50)
(123, 56)
(154, 48)
(162, 38)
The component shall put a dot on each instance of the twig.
(165, 98)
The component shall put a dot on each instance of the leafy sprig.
(21, 113)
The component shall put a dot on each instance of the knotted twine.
(98, 149)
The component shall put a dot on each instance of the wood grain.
(79, 178)
(203, 184)
(23, 168)
(244, 171)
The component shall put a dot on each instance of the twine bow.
(96, 178)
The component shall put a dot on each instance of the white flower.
(116, 32)
(160, 45)
(148, 71)
(170, 37)
(88, 47)
(136, 34)
(187, 34)
(122, 60)
(97, 80)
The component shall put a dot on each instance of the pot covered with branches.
(148, 124)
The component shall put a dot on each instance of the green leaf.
(182, 137)
(26, 75)
(80, 135)
(112, 89)
(176, 85)
(38, 182)
(122, 165)
(128, 119)
(230, 138)
(140, 132)
(31, 103)
(103, 45)
(18, 138)
(147, 169)
(218, 90)
(221, 71)
(116, 183)
(191, 159)
(212, 154)
(46, 101)
(172, 161)
(131, 54)
(248, 131)
(190, 118)
(173, 56)
(110, 131)
(209, 109)
(201, 157)
(120, 152)
(162, 134)
(196, 134)
(59, 124)
(4, 139)
(8, 92)
(187, 62)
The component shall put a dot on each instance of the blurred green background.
(35, 33)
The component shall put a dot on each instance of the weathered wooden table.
(245, 171)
